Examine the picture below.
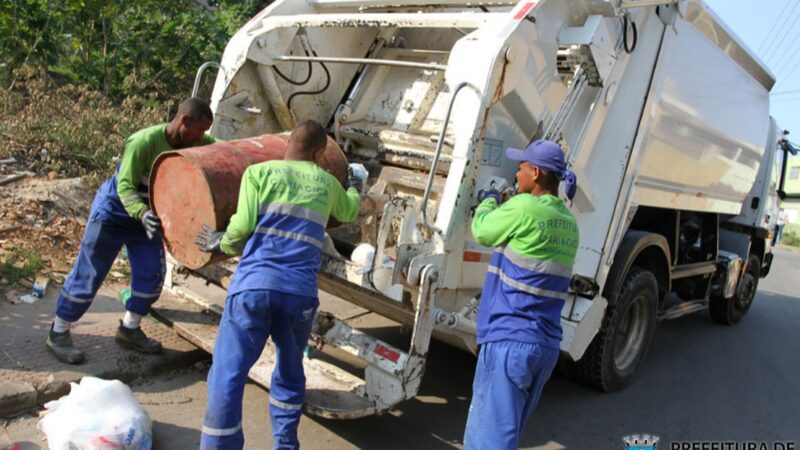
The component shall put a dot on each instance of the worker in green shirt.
(519, 315)
(279, 228)
(121, 215)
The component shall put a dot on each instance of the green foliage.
(79, 76)
(69, 129)
(19, 264)
(118, 47)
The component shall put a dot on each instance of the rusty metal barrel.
(200, 185)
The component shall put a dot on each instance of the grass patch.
(20, 264)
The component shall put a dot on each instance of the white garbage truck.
(662, 112)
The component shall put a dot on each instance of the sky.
(771, 29)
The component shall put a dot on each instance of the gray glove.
(209, 240)
(489, 193)
(356, 176)
(152, 224)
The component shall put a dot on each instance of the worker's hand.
(209, 240)
(356, 176)
(152, 224)
(483, 194)
(496, 188)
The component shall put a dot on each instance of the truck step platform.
(331, 391)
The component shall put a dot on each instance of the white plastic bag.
(98, 415)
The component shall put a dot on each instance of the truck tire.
(729, 311)
(616, 353)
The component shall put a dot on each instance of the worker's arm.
(131, 170)
(243, 223)
(493, 225)
(344, 203)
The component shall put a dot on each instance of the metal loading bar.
(365, 4)
(579, 83)
(436, 155)
(378, 62)
(333, 281)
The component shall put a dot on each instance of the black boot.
(135, 339)
(60, 345)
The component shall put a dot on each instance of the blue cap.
(548, 156)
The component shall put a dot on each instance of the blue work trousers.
(248, 319)
(100, 246)
(508, 381)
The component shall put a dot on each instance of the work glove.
(152, 224)
(209, 240)
(356, 176)
(491, 192)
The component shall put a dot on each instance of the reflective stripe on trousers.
(222, 431)
(284, 405)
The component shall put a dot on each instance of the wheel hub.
(745, 298)
(631, 334)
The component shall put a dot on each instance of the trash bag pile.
(99, 415)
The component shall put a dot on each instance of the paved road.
(701, 381)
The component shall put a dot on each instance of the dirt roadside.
(41, 225)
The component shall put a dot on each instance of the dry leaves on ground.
(44, 220)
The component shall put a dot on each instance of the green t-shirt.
(540, 227)
(300, 186)
(141, 149)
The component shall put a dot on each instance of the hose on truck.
(319, 91)
(625, 22)
(289, 80)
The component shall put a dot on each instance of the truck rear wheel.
(616, 353)
(729, 311)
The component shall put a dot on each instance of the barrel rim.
(156, 164)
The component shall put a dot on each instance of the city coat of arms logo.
(640, 442)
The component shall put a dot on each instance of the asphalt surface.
(700, 382)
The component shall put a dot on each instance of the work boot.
(60, 345)
(135, 339)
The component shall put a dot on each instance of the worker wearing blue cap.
(519, 315)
